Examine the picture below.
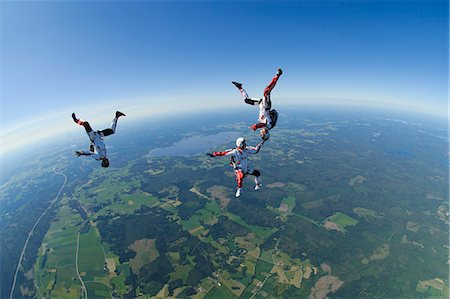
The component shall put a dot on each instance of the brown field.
(325, 267)
(281, 276)
(196, 191)
(111, 264)
(283, 208)
(297, 280)
(331, 225)
(221, 193)
(275, 185)
(412, 226)
(436, 283)
(381, 252)
(325, 285)
(254, 254)
(307, 273)
(194, 230)
(359, 179)
(145, 253)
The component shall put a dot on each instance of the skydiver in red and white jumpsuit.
(239, 162)
(265, 122)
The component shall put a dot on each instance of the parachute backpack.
(274, 116)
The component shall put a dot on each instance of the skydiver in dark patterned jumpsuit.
(97, 148)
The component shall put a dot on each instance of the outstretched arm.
(224, 153)
(255, 149)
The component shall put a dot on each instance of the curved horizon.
(58, 123)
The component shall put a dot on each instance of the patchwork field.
(339, 222)
(55, 273)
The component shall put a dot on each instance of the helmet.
(240, 142)
(105, 162)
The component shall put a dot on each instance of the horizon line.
(38, 132)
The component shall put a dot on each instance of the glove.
(211, 155)
(78, 153)
(279, 72)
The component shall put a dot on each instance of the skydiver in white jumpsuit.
(239, 162)
(97, 148)
(265, 120)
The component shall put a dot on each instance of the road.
(32, 230)
(76, 261)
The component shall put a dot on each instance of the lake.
(196, 145)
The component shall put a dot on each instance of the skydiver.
(267, 117)
(239, 162)
(97, 148)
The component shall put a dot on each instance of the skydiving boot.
(119, 114)
(238, 192)
(75, 119)
(238, 85)
(257, 184)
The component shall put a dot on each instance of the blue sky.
(94, 57)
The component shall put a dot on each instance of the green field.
(97, 290)
(312, 204)
(114, 193)
(262, 232)
(290, 203)
(342, 219)
(219, 292)
(91, 257)
(55, 273)
(292, 227)
(209, 211)
(262, 269)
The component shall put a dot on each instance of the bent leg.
(111, 130)
(247, 99)
(88, 129)
(83, 123)
(258, 125)
(257, 174)
(106, 132)
(86, 125)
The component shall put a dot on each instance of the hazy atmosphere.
(159, 56)
(224, 149)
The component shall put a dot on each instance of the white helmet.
(240, 142)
